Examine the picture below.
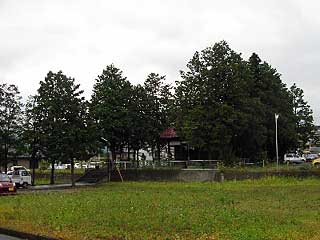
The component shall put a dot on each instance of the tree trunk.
(128, 153)
(110, 163)
(33, 166)
(152, 154)
(52, 172)
(121, 152)
(33, 180)
(136, 162)
(73, 183)
(158, 152)
(5, 158)
(137, 158)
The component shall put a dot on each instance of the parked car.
(20, 178)
(316, 163)
(311, 156)
(6, 185)
(293, 158)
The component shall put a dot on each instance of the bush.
(44, 165)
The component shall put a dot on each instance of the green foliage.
(130, 116)
(304, 120)
(226, 105)
(62, 113)
(10, 122)
(223, 107)
(158, 109)
(137, 119)
(109, 107)
(43, 165)
(273, 97)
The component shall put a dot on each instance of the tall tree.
(158, 109)
(137, 120)
(61, 113)
(304, 118)
(274, 97)
(226, 106)
(31, 134)
(109, 107)
(210, 98)
(10, 120)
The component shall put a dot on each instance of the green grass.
(271, 208)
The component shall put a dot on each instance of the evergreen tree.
(10, 121)
(210, 99)
(158, 109)
(274, 97)
(109, 108)
(137, 120)
(304, 120)
(31, 134)
(61, 119)
(225, 106)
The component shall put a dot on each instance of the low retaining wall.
(60, 176)
(184, 175)
(202, 175)
(238, 175)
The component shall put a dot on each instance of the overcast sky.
(82, 37)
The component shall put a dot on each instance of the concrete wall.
(184, 175)
(202, 175)
(238, 175)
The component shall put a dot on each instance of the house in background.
(20, 160)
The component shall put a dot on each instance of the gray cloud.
(82, 37)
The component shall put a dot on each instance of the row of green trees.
(224, 106)
(58, 124)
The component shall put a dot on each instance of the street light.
(276, 116)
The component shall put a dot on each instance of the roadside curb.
(23, 235)
(56, 187)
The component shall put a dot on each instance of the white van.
(20, 177)
(16, 168)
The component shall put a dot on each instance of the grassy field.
(273, 208)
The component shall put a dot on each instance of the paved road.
(4, 237)
(52, 187)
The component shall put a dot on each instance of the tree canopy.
(61, 113)
(226, 105)
(223, 105)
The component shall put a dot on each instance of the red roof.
(169, 133)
